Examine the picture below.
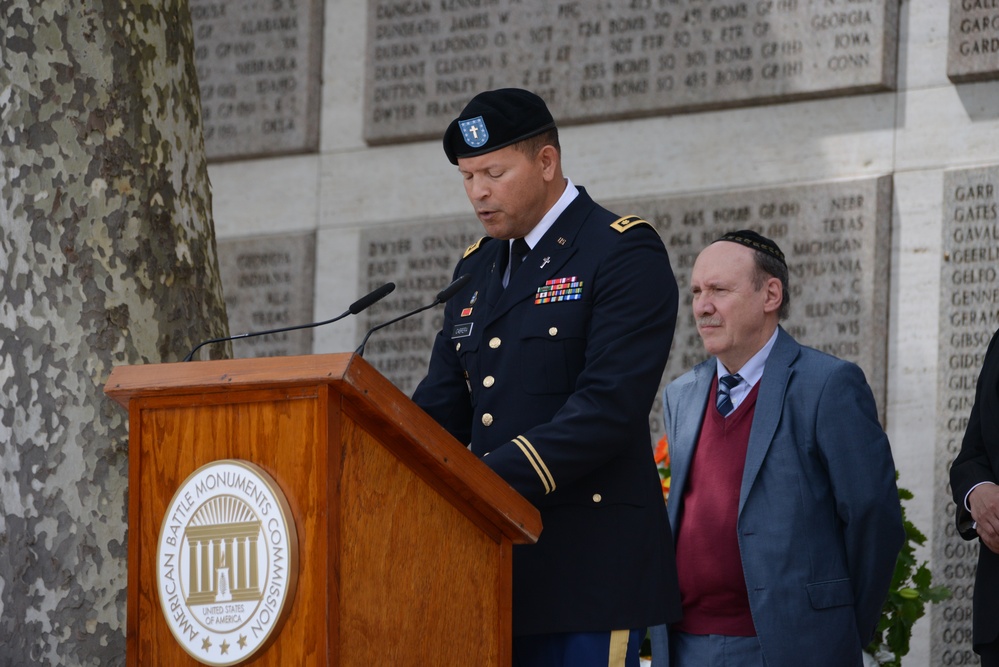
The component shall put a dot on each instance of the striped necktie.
(724, 399)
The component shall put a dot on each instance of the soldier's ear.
(549, 159)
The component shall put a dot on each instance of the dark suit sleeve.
(627, 343)
(861, 472)
(973, 464)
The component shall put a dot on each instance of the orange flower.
(661, 453)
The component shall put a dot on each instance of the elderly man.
(783, 497)
(547, 365)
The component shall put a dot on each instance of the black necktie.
(518, 251)
(724, 400)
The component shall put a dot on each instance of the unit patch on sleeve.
(560, 289)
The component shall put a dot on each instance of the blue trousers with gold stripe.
(618, 648)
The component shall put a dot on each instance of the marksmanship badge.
(226, 562)
(474, 131)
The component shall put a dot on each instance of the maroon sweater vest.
(712, 586)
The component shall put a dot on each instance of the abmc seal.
(226, 561)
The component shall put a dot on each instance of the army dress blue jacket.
(551, 380)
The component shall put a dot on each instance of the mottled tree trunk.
(107, 258)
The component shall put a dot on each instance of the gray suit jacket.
(820, 525)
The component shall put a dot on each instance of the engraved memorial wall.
(599, 59)
(835, 236)
(258, 64)
(969, 315)
(973, 40)
(268, 284)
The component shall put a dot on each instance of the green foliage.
(911, 588)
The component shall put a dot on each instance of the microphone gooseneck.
(356, 307)
(442, 296)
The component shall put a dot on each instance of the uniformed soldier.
(547, 365)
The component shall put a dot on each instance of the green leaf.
(909, 591)
(922, 578)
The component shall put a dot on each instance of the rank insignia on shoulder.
(475, 246)
(559, 289)
(627, 222)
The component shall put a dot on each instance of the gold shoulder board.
(475, 246)
(627, 222)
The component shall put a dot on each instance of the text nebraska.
(268, 66)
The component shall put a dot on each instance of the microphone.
(356, 307)
(442, 296)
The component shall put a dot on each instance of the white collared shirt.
(533, 236)
(751, 372)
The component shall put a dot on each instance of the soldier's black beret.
(496, 119)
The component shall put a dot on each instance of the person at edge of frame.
(974, 476)
(547, 365)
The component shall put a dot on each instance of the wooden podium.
(404, 536)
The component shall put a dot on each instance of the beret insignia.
(474, 131)
(496, 119)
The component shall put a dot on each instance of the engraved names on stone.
(835, 236)
(258, 64)
(419, 259)
(598, 59)
(969, 315)
(268, 284)
(973, 44)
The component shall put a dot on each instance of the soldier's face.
(508, 189)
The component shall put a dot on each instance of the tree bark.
(107, 257)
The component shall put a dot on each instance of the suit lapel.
(686, 416)
(769, 406)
